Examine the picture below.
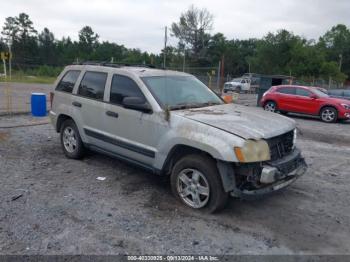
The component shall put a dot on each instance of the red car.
(305, 100)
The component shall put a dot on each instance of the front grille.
(290, 166)
(281, 146)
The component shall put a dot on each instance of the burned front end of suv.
(282, 167)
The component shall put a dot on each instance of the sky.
(140, 23)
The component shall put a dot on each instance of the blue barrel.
(38, 104)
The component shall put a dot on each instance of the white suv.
(170, 123)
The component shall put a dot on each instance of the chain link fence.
(207, 75)
(15, 97)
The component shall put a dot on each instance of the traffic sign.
(5, 55)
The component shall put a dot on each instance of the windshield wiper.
(192, 105)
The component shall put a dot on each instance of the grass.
(29, 79)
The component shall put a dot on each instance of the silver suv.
(171, 124)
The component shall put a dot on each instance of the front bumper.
(276, 175)
(344, 114)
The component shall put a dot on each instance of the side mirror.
(313, 96)
(137, 103)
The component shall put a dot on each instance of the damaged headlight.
(253, 151)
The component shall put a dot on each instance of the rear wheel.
(71, 142)
(270, 106)
(195, 181)
(329, 115)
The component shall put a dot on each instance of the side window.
(122, 87)
(286, 90)
(68, 81)
(302, 92)
(93, 85)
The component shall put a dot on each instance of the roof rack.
(117, 65)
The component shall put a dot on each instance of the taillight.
(52, 94)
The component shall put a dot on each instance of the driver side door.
(132, 134)
(304, 102)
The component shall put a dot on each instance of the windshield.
(319, 93)
(178, 92)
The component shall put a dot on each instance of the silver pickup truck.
(171, 124)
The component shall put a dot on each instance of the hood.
(243, 121)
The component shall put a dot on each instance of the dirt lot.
(52, 205)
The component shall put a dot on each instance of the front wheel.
(270, 106)
(329, 115)
(196, 182)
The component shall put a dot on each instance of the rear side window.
(93, 85)
(302, 92)
(286, 90)
(123, 86)
(68, 81)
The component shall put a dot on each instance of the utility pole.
(10, 58)
(340, 61)
(218, 77)
(165, 42)
(184, 61)
(222, 68)
(4, 62)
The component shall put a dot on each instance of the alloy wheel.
(271, 107)
(193, 188)
(328, 115)
(69, 139)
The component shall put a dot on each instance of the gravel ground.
(53, 205)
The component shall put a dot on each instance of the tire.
(270, 106)
(207, 189)
(71, 142)
(329, 114)
(238, 89)
(284, 113)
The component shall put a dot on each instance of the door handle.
(112, 114)
(77, 104)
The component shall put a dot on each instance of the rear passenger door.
(63, 92)
(88, 105)
(286, 98)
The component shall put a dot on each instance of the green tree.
(336, 44)
(192, 31)
(20, 32)
(88, 41)
(10, 29)
(25, 27)
(47, 47)
(107, 51)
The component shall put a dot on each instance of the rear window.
(93, 85)
(68, 81)
(286, 90)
